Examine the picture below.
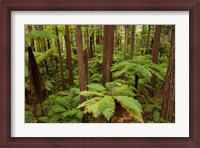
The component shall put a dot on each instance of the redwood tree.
(148, 37)
(69, 55)
(81, 61)
(125, 41)
(60, 58)
(108, 52)
(156, 44)
(132, 41)
(168, 105)
(32, 43)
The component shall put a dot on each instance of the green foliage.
(123, 90)
(96, 87)
(99, 106)
(103, 103)
(48, 85)
(106, 107)
(132, 106)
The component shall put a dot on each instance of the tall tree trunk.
(91, 49)
(81, 62)
(60, 59)
(116, 38)
(32, 44)
(125, 41)
(108, 52)
(37, 83)
(156, 44)
(142, 40)
(87, 39)
(69, 55)
(43, 48)
(168, 105)
(132, 41)
(97, 35)
(155, 55)
(148, 37)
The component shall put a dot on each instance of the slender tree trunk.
(156, 44)
(48, 44)
(108, 52)
(132, 41)
(69, 55)
(81, 61)
(148, 38)
(32, 44)
(91, 49)
(97, 35)
(87, 39)
(125, 41)
(60, 59)
(43, 48)
(155, 55)
(116, 37)
(142, 37)
(168, 105)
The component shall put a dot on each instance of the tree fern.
(56, 109)
(123, 90)
(132, 106)
(96, 87)
(91, 93)
(106, 107)
(74, 112)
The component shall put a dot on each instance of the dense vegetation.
(99, 73)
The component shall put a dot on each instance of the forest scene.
(99, 73)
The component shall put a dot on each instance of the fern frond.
(106, 107)
(95, 77)
(56, 109)
(92, 108)
(91, 93)
(73, 113)
(123, 90)
(96, 87)
(132, 106)
(55, 118)
(43, 119)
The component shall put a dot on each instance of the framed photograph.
(89, 73)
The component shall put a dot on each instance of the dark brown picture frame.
(7, 6)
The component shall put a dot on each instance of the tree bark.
(32, 44)
(108, 52)
(156, 44)
(148, 37)
(97, 34)
(69, 55)
(81, 61)
(125, 41)
(132, 41)
(60, 59)
(168, 105)
(142, 37)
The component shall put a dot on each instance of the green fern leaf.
(73, 113)
(132, 106)
(91, 93)
(96, 87)
(90, 101)
(56, 109)
(123, 90)
(55, 118)
(106, 107)
(43, 119)
(156, 115)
